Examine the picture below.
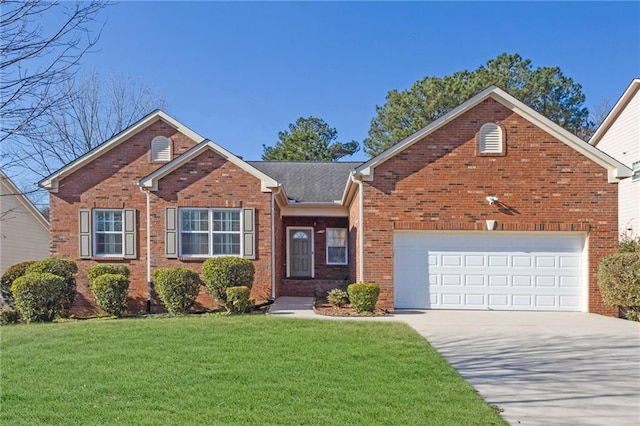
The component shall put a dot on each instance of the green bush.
(64, 268)
(338, 298)
(177, 288)
(9, 316)
(619, 282)
(223, 272)
(629, 244)
(110, 292)
(239, 300)
(15, 271)
(363, 296)
(101, 269)
(39, 295)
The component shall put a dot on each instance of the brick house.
(490, 206)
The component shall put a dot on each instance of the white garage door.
(488, 271)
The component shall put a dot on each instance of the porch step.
(310, 287)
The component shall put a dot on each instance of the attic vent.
(490, 139)
(161, 149)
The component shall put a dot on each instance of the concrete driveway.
(542, 368)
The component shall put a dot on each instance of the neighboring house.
(24, 232)
(619, 136)
(413, 219)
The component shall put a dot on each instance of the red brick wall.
(440, 183)
(111, 182)
(322, 270)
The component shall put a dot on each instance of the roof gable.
(151, 181)
(51, 182)
(13, 190)
(615, 112)
(616, 170)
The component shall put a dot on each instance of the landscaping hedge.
(177, 288)
(363, 296)
(223, 272)
(9, 276)
(64, 268)
(619, 282)
(39, 296)
(239, 300)
(110, 292)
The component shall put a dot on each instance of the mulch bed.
(322, 307)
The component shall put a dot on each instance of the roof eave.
(150, 182)
(51, 182)
(615, 112)
(616, 170)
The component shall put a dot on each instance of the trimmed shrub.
(177, 288)
(15, 271)
(619, 282)
(39, 295)
(64, 268)
(9, 316)
(363, 296)
(239, 300)
(338, 298)
(629, 244)
(223, 272)
(110, 292)
(101, 269)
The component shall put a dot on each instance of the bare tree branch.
(35, 59)
(96, 110)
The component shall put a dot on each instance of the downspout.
(148, 251)
(361, 230)
(273, 242)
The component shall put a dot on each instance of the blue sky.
(238, 73)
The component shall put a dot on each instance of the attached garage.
(481, 270)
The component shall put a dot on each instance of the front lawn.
(229, 370)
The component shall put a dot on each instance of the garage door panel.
(487, 271)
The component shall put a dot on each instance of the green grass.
(253, 370)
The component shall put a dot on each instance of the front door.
(300, 253)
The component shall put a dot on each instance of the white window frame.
(346, 246)
(210, 232)
(96, 232)
(481, 138)
(635, 166)
(162, 139)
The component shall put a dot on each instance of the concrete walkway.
(302, 307)
(541, 368)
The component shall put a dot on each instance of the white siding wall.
(22, 236)
(622, 142)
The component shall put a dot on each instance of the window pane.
(193, 244)
(108, 221)
(337, 254)
(336, 237)
(109, 244)
(226, 244)
(195, 220)
(226, 221)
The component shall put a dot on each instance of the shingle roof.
(309, 181)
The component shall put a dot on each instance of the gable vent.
(161, 149)
(490, 139)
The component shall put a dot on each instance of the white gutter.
(361, 230)
(273, 241)
(148, 251)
